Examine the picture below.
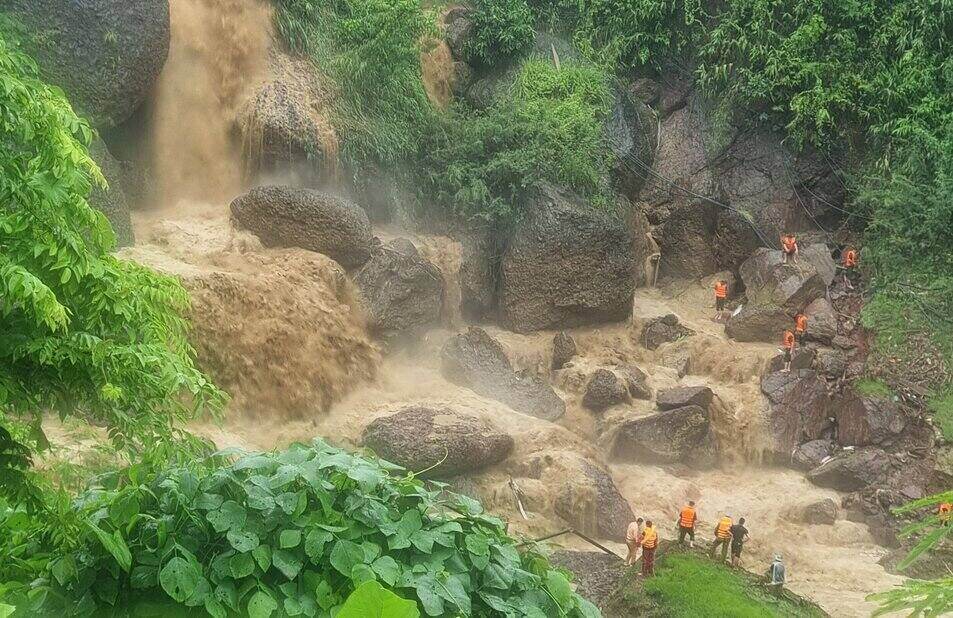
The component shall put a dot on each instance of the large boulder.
(663, 329)
(852, 471)
(596, 574)
(862, 421)
(630, 131)
(477, 361)
(818, 255)
(831, 363)
(564, 348)
(287, 217)
(686, 241)
(111, 201)
(106, 54)
(636, 381)
(604, 389)
(584, 494)
(674, 436)
(479, 267)
(442, 441)
(566, 264)
(812, 454)
(758, 323)
(458, 29)
(821, 321)
(803, 358)
(402, 292)
(285, 124)
(682, 396)
(822, 512)
(769, 282)
(800, 408)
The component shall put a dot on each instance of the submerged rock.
(402, 292)
(663, 329)
(442, 441)
(564, 348)
(682, 396)
(477, 361)
(672, 436)
(603, 390)
(288, 217)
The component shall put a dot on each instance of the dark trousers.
(648, 561)
(683, 532)
(723, 543)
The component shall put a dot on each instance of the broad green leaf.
(179, 578)
(241, 565)
(289, 539)
(344, 555)
(261, 605)
(262, 555)
(558, 586)
(362, 573)
(370, 600)
(387, 569)
(242, 541)
(287, 562)
(231, 516)
(314, 543)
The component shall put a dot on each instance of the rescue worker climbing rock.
(721, 297)
(850, 267)
(945, 513)
(787, 342)
(649, 545)
(800, 328)
(789, 248)
(686, 524)
(722, 538)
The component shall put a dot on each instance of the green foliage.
(868, 387)
(502, 29)
(687, 585)
(941, 405)
(483, 164)
(371, 600)
(370, 49)
(84, 333)
(292, 533)
(921, 598)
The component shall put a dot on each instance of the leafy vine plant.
(309, 531)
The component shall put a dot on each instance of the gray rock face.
(475, 360)
(682, 396)
(822, 512)
(831, 363)
(603, 390)
(819, 256)
(478, 276)
(821, 321)
(284, 122)
(566, 265)
(636, 381)
(803, 358)
(771, 283)
(320, 222)
(628, 129)
(596, 575)
(106, 54)
(112, 201)
(458, 27)
(672, 436)
(663, 329)
(564, 348)
(402, 292)
(419, 438)
(862, 421)
(686, 246)
(852, 471)
(810, 454)
(800, 408)
(757, 323)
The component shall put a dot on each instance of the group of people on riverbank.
(643, 536)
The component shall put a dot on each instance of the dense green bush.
(370, 49)
(502, 29)
(483, 164)
(285, 534)
(83, 333)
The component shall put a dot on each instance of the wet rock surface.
(663, 329)
(672, 436)
(800, 408)
(862, 421)
(564, 348)
(682, 396)
(442, 441)
(477, 361)
(853, 470)
(604, 389)
(596, 574)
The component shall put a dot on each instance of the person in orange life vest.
(800, 327)
(649, 545)
(850, 267)
(722, 538)
(686, 523)
(945, 513)
(633, 539)
(788, 342)
(721, 297)
(789, 247)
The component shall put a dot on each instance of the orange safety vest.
(801, 322)
(649, 538)
(790, 243)
(721, 290)
(788, 339)
(945, 510)
(723, 531)
(850, 259)
(686, 518)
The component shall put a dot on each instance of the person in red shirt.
(850, 267)
(789, 248)
(788, 341)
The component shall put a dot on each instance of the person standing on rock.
(721, 297)
(686, 524)
(633, 540)
(945, 513)
(649, 544)
(722, 537)
(789, 248)
(850, 267)
(739, 534)
(788, 341)
(800, 328)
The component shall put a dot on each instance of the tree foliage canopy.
(84, 333)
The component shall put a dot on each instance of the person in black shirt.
(739, 534)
